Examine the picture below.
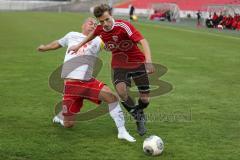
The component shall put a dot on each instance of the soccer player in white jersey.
(78, 81)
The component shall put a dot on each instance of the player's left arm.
(147, 53)
(51, 46)
(146, 50)
(137, 37)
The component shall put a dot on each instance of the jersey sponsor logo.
(124, 45)
(110, 46)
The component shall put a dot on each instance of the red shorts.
(76, 91)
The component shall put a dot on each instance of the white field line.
(192, 31)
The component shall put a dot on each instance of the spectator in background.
(229, 22)
(238, 22)
(131, 12)
(199, 15)
(238, 25)
(235, 21)
(209, 21)
(220, 18)
(214, 19)
(223, 21)
(168, 15)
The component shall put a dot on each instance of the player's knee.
(110, 98)
(121, 89)
(123, 96)
(107, 95)
(144, 97)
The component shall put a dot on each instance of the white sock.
(60, 115)
(117, 115)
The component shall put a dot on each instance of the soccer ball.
(153, 145)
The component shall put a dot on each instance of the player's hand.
(73, 49)
(149, 68)
(41, 48)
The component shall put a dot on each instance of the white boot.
(56, 119)
(123, 134)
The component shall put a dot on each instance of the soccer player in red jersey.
(128, 61)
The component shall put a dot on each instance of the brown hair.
(99, 10)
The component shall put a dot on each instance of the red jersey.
(122, 40)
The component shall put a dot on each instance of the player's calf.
(107, 95)
(127, 101)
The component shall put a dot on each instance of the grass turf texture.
(202, 66)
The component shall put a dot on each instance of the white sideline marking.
(192, 31)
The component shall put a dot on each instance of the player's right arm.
(51, 46)
(75, 48)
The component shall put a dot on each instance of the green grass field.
(198, 119)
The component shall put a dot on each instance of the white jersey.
(80, 65)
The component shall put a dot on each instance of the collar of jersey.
(112, 26)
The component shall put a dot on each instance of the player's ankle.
(122, 130)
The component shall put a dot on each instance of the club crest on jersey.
(115, 38)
